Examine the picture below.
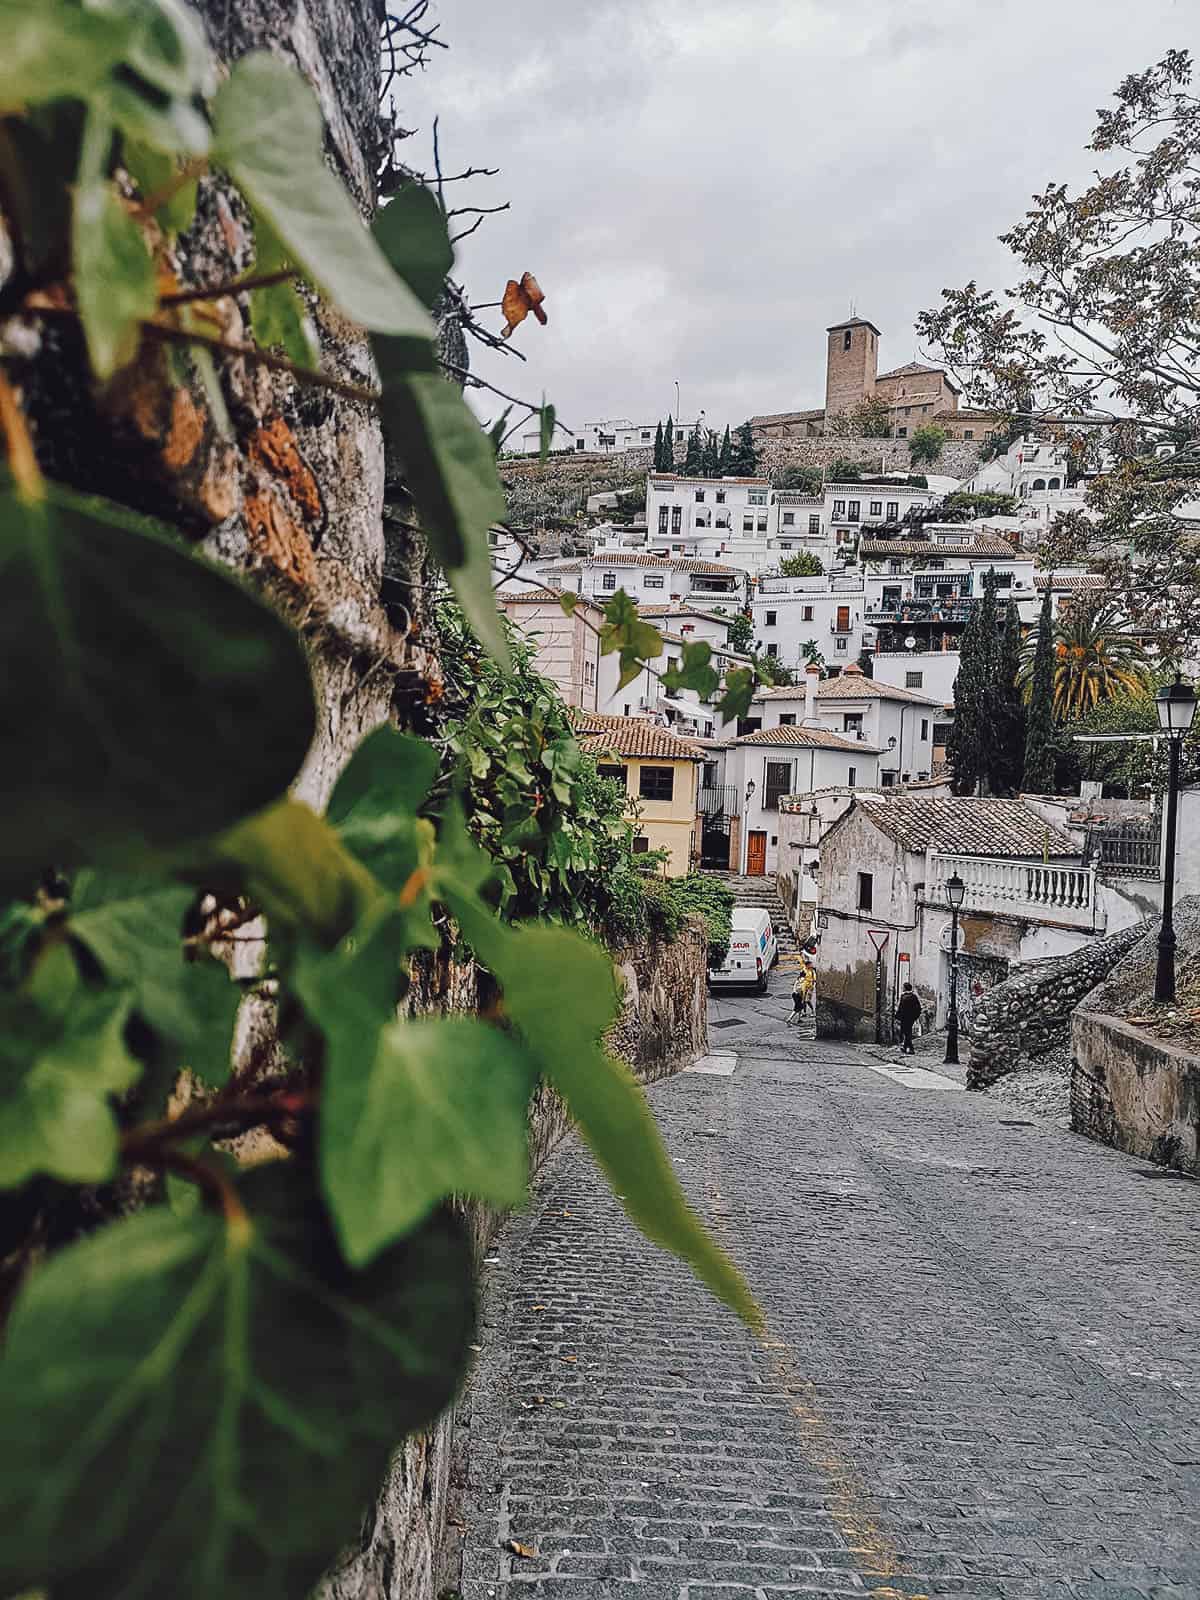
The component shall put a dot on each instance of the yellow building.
(660, 773)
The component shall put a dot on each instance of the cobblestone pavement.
(981, 1376)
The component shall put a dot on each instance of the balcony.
(1032, 890)
(922, 611)
(718, 801)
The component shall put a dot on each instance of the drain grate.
(728, 1022)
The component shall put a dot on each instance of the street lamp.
(955, 889)
(1176, 706)
(750, 791)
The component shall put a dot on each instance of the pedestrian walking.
(802, 989)
(908, 1014)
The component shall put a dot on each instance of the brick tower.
(850, 365)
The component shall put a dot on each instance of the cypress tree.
(1006, 747)
(1039, 733)
(658, 441)
(725, 458)
(712, 452)
(668, 449)
(745, 455)
(962, 750)
(693, 461)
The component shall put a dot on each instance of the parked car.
(753, 950)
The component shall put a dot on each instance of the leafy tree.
(926, 444)
(745, 453)
(658, 448)
(1094, 659)
(725, 457)
(869, 419)
(1102, 324)
(1006, 748)
(740, 632)
(668, 447)
(772, 670)
(801, 564)
(866, 663)
(966, 751)
(1038, 776)
(843, 470)
(813, 655)
(977, 503)
(693, 464)
(808, 480)
(712, 454)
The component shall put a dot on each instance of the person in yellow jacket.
(806, 982)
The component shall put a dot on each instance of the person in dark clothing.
(908, 1014)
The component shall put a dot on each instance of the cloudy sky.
(702, 186)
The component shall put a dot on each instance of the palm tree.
(1094, 659)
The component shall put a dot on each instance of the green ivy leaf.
(62, 1055)
(268, 135)
(57, 51)
(740, 684)
(115, 281)
(154, 171)
(498, 430)
(568, 600)
(279, 318)
(451, 475)
(411, 231)
(134, 927)
(624, 631)
(389, 772)
(98, 600)
(560, 991)
(195, 1408)
(694, 671)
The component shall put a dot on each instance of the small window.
(902, 433)
(855, 508)
(839, 645)
(806, 613)
(747, 524)
(887, 779)
(609, 581)
(847, 338)
(772, 618)
(678, 435)
(787, 719)
(839, 508)
(968, 433)
(893, 510)
(657, 783)
(589, 672)
(762, 524)
(710, 774)
(876, 508)
(699, 497)
(720, 497)
(924, 727)
(789, 519)
(611, 769)
(773, 648)
(757, 497)
(777, 781)
(645, 433)
(865, 891)
(641, 845)
(663, 513)
(814, 525)
(655, 580)
(852, 722)
(851, 777)
(914, 680)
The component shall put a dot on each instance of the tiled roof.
(857, 686)
(852, 322)
(983, 544)
(709, 483)
(542, 596)
(1073, 583)
(681, 609)
(778, 418)
(968, 826)
(630, 736)
(795, 738)
(640, 559)
(909, 369)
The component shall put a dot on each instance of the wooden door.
(756, 855)
(843, 619)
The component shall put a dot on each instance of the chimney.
(812, 677)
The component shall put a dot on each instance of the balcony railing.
(922, 611)
(1128, 847)
(717, 801)
(1037, 891)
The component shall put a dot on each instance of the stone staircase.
(762, 892)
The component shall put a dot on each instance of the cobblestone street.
(981, 1375)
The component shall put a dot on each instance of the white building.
(611, 436)
(793, 614)
(656, 579)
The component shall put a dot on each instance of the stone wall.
(404, 1551)
(1030, 1013)
(1135, 1092)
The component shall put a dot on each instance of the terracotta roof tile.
(965, 825)
(1071, 583)
(857, 686)
(983, 544)
(626, 558)
(797, 738)
(630, 736)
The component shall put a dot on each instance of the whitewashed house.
(658, 580)
(793, 614)
(609, 437)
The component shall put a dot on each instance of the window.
(589, 672)
(613, 770)
(720, 497)
(762, 524)
(609, 581)
(893, 510)
(851, 777)
(722, 522)
(968, 433)
(847, 337)
(757, 497)
(663, 513)
(787, 719)
(876, 508)
(941, 732)
(699, 497)
(1052, 483)
(887, 779)
(640, 845)
(773, 648)
(645, 433)
(814, 525)
(839, 508)
(655, 580)
(747, 524)
(855, 508)
(777, 781)
(772, 618)
(676, 519)
(908, 411)
(1038, 483)
(579, 444)
(891, 596)
(902, 433)
(865, 891)
(789, 519)
(806, 613)
(678, 435)
(657, 783)
(924, 728)
(839, 645)
(936, 565)
(710, 775)
(914, 680)
(852, 722)
(626, 710)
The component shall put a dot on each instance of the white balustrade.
(1039, 891)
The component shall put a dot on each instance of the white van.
(753, 950)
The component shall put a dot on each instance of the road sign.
(878, 937)
(903, 956)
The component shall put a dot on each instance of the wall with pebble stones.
(1030, 1013)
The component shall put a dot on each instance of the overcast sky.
(702, 187)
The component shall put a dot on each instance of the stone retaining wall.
(1030, 1013)
(1135, 1092)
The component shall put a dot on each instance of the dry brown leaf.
(528, 1551)
(570, 1358)
(518, 300)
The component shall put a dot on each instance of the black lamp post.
(1176, 706)
(955, 890)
